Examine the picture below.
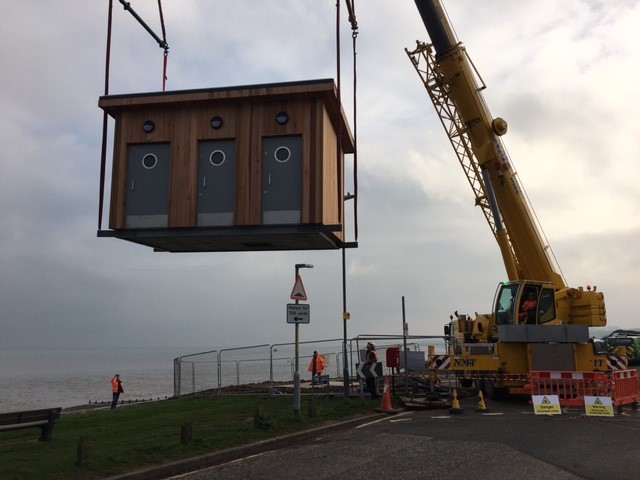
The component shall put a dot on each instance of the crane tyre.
(491, 391)
(465, 382)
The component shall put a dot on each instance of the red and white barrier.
(571, 387)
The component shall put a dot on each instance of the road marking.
(218, 467)
(382, 420)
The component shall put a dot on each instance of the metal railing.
(272, 364)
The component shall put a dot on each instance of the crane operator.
(529, 308)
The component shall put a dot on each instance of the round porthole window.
(217, 158)
(282, 154)
(216, 122)
(148, 126)
(149, 161)
(282, 118)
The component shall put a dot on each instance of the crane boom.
(455, 88)
(451, 78)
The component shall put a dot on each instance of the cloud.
(565, 80)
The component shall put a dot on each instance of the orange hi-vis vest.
(114, 385)
(319, 360)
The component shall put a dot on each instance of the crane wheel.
(465, 382)
(491, 391)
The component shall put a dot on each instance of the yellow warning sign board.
(546, 404)
(598, 406)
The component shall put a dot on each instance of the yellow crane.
(538, 322)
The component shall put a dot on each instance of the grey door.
(148, 171)
(216, 182)
(281, 179)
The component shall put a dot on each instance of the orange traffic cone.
(482, 408)
(455, 404)
(386, 406)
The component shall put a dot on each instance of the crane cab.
(524, 303)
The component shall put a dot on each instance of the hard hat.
(372, 344)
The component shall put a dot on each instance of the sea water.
(42, 378)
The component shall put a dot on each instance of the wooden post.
(83, 451)
(186, 433)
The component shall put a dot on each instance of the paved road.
(508, 442)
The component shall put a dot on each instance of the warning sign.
(546, 404)
(298, 292)
(598, 406)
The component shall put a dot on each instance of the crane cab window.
(547, 308)
(505, 304)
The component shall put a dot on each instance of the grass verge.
(102, 443)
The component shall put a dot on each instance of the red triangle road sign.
(298, 292)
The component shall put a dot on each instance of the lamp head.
(304, 265)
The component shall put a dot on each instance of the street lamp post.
(296, 373)
(345, 317)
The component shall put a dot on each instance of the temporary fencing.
(273, 364)
(256, 364)
(625, 388)
(571, 387)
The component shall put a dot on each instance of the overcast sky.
(565, 76)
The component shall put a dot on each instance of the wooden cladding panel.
(184, 172)
(255, 166)
(118, 179)
(244, 185)
(318, 155)
(332, 190)
(315, 159)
